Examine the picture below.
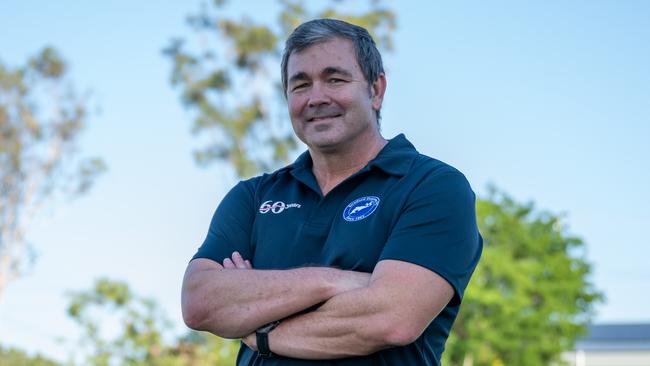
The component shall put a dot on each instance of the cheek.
(295, 106)
(355, 99)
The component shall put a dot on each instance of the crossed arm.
(360, 314)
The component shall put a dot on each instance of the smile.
(320, 118)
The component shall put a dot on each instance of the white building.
(612, 345)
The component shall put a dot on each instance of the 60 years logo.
(276, 207)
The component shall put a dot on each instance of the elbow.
(385, 333)
(378, 334)
(401, 336)
(200, 321)
(193, 322)
(193, 316)
(399, 333)
(199, 318)
(202, 310)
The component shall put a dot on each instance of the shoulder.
(433, 173)
(433, 166)
(255, 185)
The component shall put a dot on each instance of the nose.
(318, 96)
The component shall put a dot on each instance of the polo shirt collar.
(395, 158)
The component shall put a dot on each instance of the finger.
(248, 264)
(227, 263)
(238, 260)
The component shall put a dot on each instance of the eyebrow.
(330, 70)
(298, 77)
(336, 70)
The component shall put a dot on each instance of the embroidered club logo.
(360, 208)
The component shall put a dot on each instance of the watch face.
(269, 327)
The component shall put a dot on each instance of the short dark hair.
(322, 30)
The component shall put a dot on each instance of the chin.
(321, 141)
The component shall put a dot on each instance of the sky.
(549, 101)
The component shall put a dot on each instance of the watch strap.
(263, 345)
(262, 336)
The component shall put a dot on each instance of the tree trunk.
(468, 360)
(4, 274)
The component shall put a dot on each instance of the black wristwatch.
(262, 335)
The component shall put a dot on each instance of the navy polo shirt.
(402, 205)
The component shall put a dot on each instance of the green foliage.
(15, 357)
(120, 328)
(41, 118)
(235, 89)
(530, 297)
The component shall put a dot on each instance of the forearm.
(384, 314)
(350, 324)
(233, 302)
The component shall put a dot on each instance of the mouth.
(320, 118)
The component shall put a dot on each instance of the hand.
(236, 262)
(250, 341)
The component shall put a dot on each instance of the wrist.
(334, 281)
(325, 281)
(345, 280)
(262, 339)
(251, 341)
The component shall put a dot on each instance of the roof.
(604, 337)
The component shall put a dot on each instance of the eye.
(297, 87)
(336, 81)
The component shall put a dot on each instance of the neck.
(331, 168)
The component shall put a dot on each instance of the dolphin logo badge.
(360, 208)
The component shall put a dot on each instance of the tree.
(15, 357)
(530, 297)
(121, 328)
(235, 89)
(41, 118)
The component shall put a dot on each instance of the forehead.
(336, 52)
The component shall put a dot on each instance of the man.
(356, 254)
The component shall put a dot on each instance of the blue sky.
(549, 101)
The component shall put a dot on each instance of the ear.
(377, 91)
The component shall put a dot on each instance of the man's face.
(329, 101)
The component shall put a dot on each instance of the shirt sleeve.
(231, 225)
(437, 230)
